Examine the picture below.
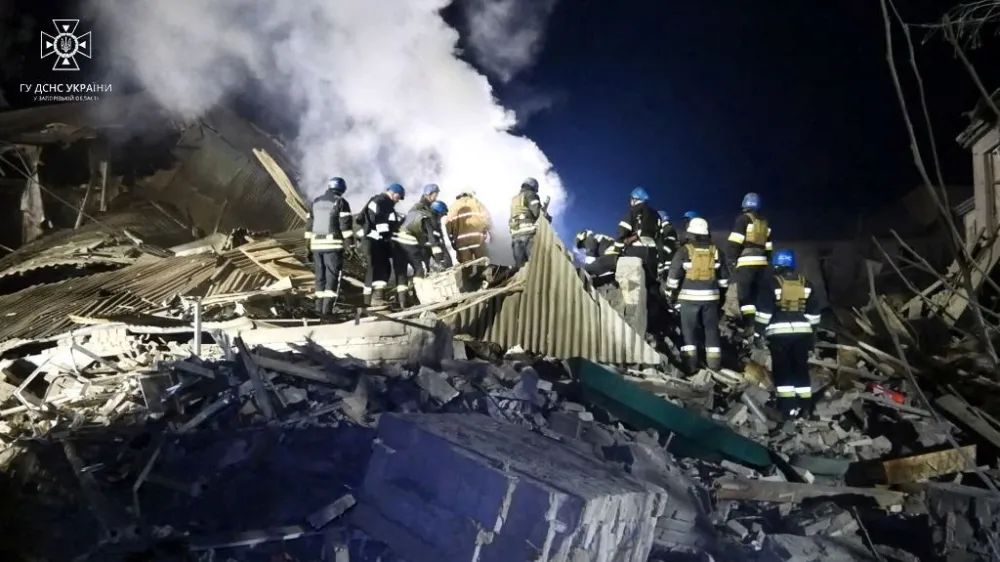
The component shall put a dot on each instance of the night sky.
(700, 102)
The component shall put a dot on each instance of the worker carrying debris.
(525, 209)
(697, 273)
(666, 245)
(637, 232)
(329, 231)
(468, 224)
(378, 223)
(787, 309)
(750, 245)
(682, 236)
(415, 244)
(600, 255)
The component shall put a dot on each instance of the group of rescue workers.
(777, 304)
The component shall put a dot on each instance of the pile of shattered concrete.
(396, 439)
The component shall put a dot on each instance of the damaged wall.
(219, 184)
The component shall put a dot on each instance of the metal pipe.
(197, 327)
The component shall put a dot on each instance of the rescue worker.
(468, 224)
(429, 195)
(637, 233)
(525, 208)
(600, 256)
(329, 231)
(682, 238)
(750, 246)
(440, 256)
(378, 223)
(787, 310)
(667, 245)
(697, 273)
(413, 246)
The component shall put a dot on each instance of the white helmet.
(698, 226)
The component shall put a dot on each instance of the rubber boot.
(714, 362)
(404, 299)
(368, 299)
(691, 361)
(319, 306)
(378, 298)
(788, 406)
(804, 406)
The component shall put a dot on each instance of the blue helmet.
(431, 189)
(664, 217)
(337, 184)
(640, 194)
(398, 190)
(784, 258)
(751, 201)
(439, 208)
(690, 215)
(530, 183)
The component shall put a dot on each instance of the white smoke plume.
(506, 35)
(377, 87)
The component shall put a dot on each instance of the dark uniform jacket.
(699, 271)
(329, 222)
(668, 236)
(525, 208)
(418, 229)
(595, 245)
(750, 240)
(788, 305)
(640, 227)
(379, 219)
(667, 241)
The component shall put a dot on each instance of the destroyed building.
(163, 397)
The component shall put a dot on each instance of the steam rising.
(376, 86)
(506, 35)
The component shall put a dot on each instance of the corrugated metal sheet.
(42, 312)
(558, 313)
(70, 247)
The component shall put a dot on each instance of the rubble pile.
(290, 450)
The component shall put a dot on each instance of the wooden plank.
(734, 488)
(263, 265)
(292, 197)
(967, 415)
(929, 465)
(958, 302)
(261, 396)
(303, 371)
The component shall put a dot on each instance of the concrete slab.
(426, 341)
(471, 488)
(631, 280)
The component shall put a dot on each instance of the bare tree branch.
(962, 256)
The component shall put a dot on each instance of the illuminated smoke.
(376, 87)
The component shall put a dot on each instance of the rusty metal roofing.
(91, 243)
(557, 314)
(42, 312)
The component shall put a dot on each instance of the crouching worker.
(414, 244)
(787, 311)
(600, 256)
(699, 272)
